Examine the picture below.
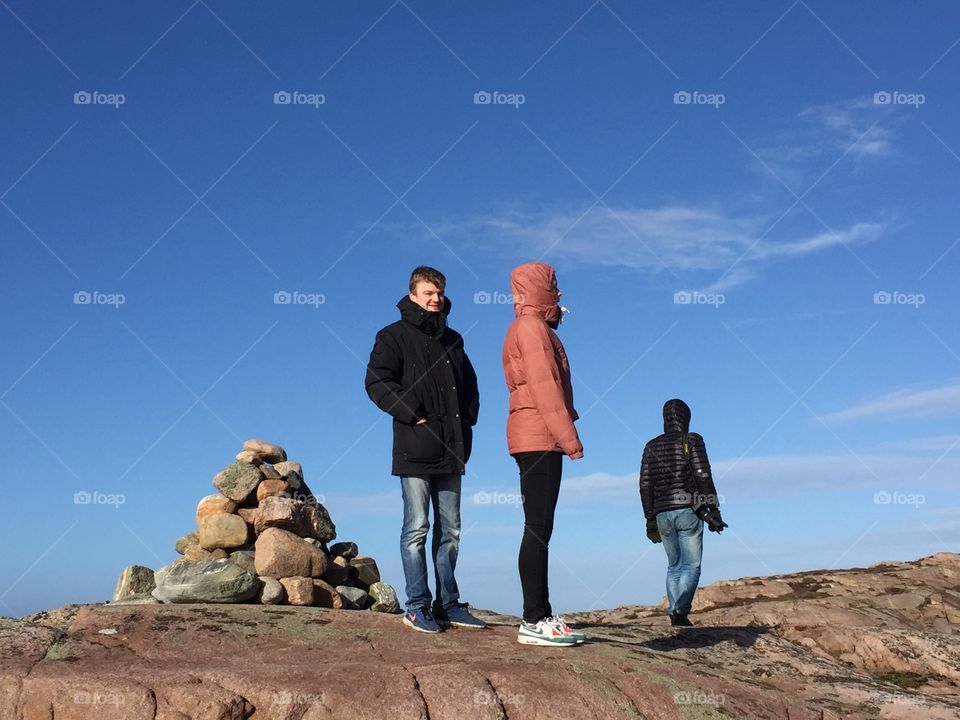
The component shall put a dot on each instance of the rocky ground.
(880, 642)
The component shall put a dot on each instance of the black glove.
(653, 532)
(713, 520)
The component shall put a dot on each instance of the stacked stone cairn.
(262, 538)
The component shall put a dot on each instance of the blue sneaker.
(458, 615)
(421, 619)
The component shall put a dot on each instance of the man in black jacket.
(420, 375)
(678, 496)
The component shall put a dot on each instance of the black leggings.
(539, 488)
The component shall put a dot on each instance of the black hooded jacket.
(418, 369)
(665, 481)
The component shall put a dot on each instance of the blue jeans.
(682, 534)
(443, 492)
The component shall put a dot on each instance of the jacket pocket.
(423, 442)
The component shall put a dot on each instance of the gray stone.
(347, 550)
(326, 530)
(384, 598)
(238, 481)
(269, 472)
(296, 516)
(272, 592)
(367, 571)
(245, 559)
(214, 581)
(292, 472)
(353, 598)
(135, 582)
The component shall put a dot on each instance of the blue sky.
(750, 206)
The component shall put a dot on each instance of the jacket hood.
(534, 293)
(676, 416)
(432, 323)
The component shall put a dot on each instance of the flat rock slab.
(266, 662)
(160, 662)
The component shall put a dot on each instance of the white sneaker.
(559, 623)
(543, 633)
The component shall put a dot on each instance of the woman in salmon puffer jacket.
(540, 431)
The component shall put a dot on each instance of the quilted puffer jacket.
(665, 479)
(536, 369)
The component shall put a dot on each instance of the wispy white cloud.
(857, 129)
(904, 403)
(852, 124)
(673, 238)
(938, 442)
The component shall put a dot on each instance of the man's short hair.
(428, 274)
